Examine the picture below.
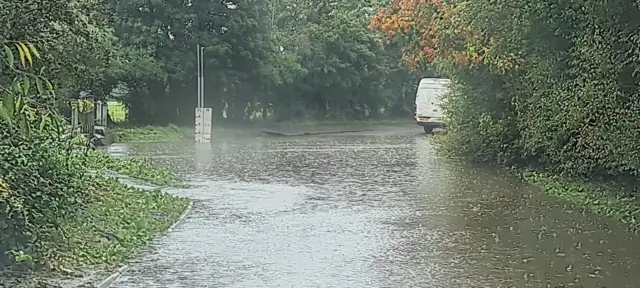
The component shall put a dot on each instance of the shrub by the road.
(539, 85)
(56, 214)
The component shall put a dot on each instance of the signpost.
(203, 124)
(203, 115)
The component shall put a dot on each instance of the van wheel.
(428, 129)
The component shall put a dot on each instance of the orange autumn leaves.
(439, 33)
(401, 17)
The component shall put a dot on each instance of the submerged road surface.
(370, 210)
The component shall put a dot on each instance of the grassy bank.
(152, 133)
(607, 200)
(111, 221)
(134, 167)
(601, 199)
(118, 221)
(177, 133)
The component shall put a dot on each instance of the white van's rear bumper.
(429, 122)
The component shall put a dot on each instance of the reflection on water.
(202, 157)
(371, 211)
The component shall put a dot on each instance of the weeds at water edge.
(595, 198)
(152, 133)
(118, 222)
(115, 225)
(134, 167)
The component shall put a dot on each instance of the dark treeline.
(278, 59)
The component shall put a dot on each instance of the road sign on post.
(203, 115)
(203, 125)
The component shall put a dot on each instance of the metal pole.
(199, 84)
(202, 75)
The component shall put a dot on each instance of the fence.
(88, 115)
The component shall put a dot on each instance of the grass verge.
(117, 223)
(151, 133)
(134, 167)
(607, 200)
(120, 219)
(177, 133)
(596, 198)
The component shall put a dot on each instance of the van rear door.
(428, 97)
(423, 98)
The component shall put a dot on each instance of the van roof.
(434, 81)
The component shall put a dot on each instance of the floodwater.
(370, 210)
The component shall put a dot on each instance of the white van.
(427, 111)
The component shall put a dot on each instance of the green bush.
(46, 185)
(571, 107)
(55, 213)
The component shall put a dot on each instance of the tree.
(59, 27)
(281, 59)
(539, 84)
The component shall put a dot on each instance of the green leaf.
(26, 52)
(26, 83)
(9, 103)
(22, 56)
(19, 105)
(50, 87)
(10, 58)
(16, 86)
(34, 51)
(43, 121)
(31, 113)
(39, 86)
(5, 115)
(24, 126)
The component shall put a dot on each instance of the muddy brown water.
(370, 210)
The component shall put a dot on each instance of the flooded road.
(370, 210)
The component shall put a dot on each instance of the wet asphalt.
(369, 209)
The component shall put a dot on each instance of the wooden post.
(99, 114)
(89, 122)
(105, 114)
(88, 117)
(74, 116)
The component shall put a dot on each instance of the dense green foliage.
(571, 105)
(542, 84)
(56, 205)
(80, 44)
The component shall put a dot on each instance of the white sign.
(203, 124)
